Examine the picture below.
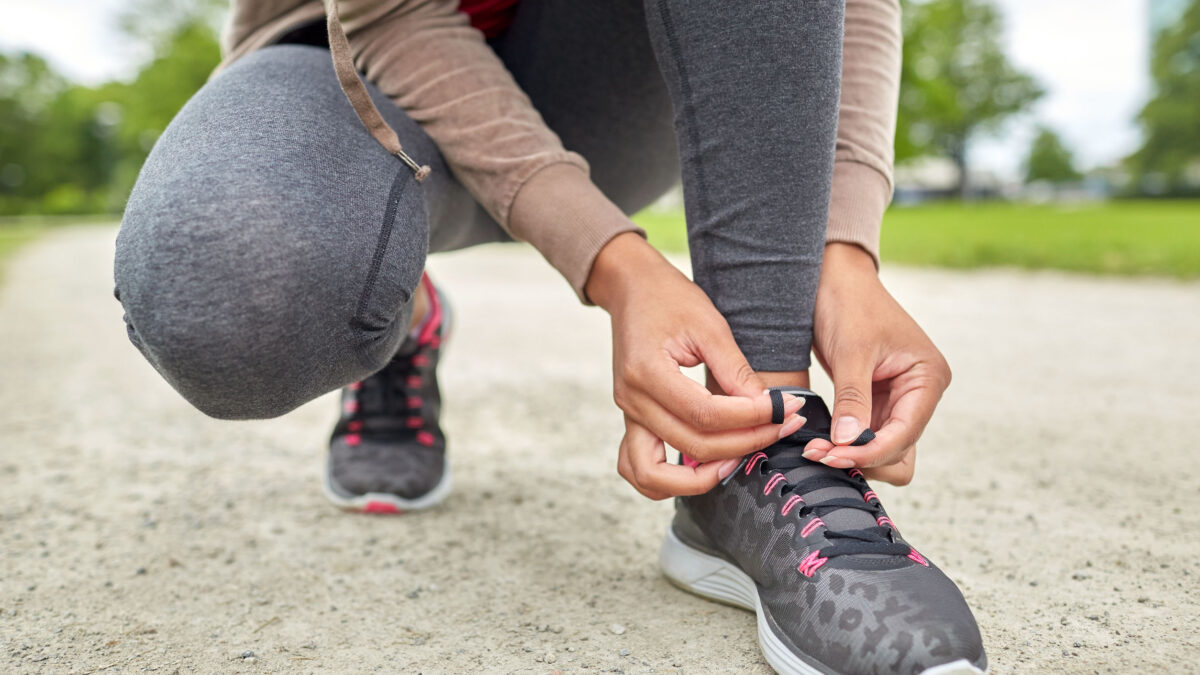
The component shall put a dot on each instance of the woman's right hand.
(661, 322)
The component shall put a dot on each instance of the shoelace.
(877, 540)
(393, 391)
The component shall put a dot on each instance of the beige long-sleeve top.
(425, 56)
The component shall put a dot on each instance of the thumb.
(729, 366)
(851, 401)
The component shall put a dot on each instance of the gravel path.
(1057, 486)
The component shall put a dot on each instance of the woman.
(274, 246)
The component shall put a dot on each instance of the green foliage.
(1049, 160)
(955, 79)
(1158, 238)
(1169, 159)
(74, 149)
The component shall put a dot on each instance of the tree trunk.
(959, 157)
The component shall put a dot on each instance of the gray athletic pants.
(270, 248)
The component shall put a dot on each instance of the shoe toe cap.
(371, 467)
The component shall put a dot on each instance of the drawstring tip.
(422, 173)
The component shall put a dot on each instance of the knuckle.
(630, 372)
(850, 394)
(703, 416)
(698, 451)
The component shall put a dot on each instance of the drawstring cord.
(356, 93)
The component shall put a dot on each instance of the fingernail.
(845, 430)
(811, 455)
(792, 425)
(836, 462)
(727, 468)
(793, 405)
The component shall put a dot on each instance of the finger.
(909, 415)
(715, 445)
(900, 473)
(728, 365)
(699, 408)
(654, 477)
(851, 398)
(816, 449)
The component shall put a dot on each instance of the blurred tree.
(955, 80)
(1050, 160)
(1170, 155)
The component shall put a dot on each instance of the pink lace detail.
(350, 406)
(791, 504)
(883, 521)
(917, 557)
(776, 479)
(434, 320)
(688, 461)
(354, 386)
(413, 381)
(811, 564)
(812, 525)
(869, 495)
(380, 507)
(414, 423)
(420, 360)
(353, 439)
(425, 438)
(855, 473)
(356, 425)
(415, 402)
(754, 459)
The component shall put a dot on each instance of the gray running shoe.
(811, 551)
(387, 453)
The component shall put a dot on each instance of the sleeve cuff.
(860, 196)
(560, 212)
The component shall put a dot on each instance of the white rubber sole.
(382, 502)
(715, 579)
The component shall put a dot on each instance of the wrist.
(627, 262)
(846, 258)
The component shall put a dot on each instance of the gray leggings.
(270, 248)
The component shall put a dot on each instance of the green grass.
(1154, 238)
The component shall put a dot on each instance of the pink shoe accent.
(884, 521)
(688, 461)
(350, 407)
(870, 494)
(414, 402)
(754, 459)
(917, 557)
(380, 507)
(414, 423)
(353, 439)
(855, 473)
(413, 381)
(812, 525)
(811, 564)
(420, 360)
(776, 479)
(354, 386)
(356, 425)
(434, 320)
(425, 438)
(791, 504)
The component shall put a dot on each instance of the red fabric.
(492, 17)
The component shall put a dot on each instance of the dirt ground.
(1057, 486)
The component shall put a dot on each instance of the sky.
(1092, 62)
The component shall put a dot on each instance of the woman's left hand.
(887, 374)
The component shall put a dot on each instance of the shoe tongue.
(819, 420)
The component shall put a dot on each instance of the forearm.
(862, 174)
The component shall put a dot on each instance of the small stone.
(624, 652)
(140, 570)
(250, 660)
(414, 593)
(617, 629)
(32, 587)
(433, 588)
(247, 654)
(1143, 599)
(1078, 645)
(542, 628)
(551, 658)
(676, 664)
(1066, 653)
(556, 629)
(1033, 583)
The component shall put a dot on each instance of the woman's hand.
(885, 370)
(662, 321)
